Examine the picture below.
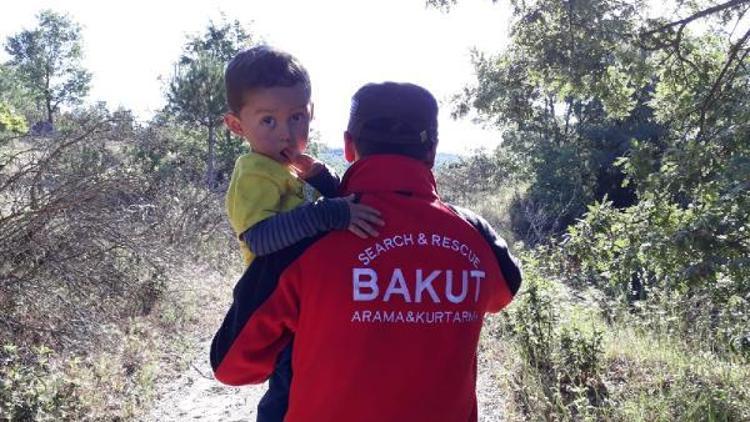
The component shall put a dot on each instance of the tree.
(591, 94)
(48, 61)
(580, 86)
(195, 94)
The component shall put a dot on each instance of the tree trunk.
(210, 171)
(48, 94)
(49, 111)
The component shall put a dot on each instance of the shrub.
(560, 369)
(94, 246)
(660, 259)
(32, 388)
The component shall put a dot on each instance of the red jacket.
(386, 328)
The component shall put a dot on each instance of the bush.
(94, 246)
(11, 122)
(560, 353)
(660, 259)
(474, 182)
(32, 389)
(565, 361)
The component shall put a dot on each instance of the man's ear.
(312, 110)
(432, 154)
(349, 152)
(233, 123)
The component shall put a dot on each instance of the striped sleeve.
(285, 229)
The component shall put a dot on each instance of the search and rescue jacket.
(384, 328)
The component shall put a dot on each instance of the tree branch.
(711, 97)
(703, 13)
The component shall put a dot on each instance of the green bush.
(11, 122)
(33, 389)
(683, 270)
(573, 354)
(560, 368)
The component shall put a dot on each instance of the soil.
(196, 396)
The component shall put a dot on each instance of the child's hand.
(306, 166)
(363, 219)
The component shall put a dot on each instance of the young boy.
(269, 204)
(272, 201)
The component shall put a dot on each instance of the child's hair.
(261, 67)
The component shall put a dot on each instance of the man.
(385, 329)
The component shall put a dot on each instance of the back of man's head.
(394, 118)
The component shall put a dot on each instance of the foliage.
(81, 220)
(584, 83)
(11, 122)
(195, 93)
(684, 245)
(48, 61)
(99, 251)
(571, 354)
(672, 259)
(476, 182)
(561, 358)
(475, 174)
(638, 128)
(14, 99)
(567, 110)
(30, 389)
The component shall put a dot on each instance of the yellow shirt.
(260, 188)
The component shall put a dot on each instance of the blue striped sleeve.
(287, 228)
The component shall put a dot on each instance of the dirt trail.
(195, 396)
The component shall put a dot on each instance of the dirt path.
(195, 396)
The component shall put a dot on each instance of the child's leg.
(273, 405)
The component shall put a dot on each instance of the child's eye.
(268, 121)
(299, 117)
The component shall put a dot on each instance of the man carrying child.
(385, 328)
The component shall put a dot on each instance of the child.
(269, 204)
(271, 200)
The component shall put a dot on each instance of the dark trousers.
(273, 405)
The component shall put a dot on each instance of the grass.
(660, 379)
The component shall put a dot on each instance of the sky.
(130, 47)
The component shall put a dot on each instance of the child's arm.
(323, 178)
(285, 229)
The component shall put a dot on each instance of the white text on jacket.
(366, 286)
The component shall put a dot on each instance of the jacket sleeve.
(509, 265)
(260, 321)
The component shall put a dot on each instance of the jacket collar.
(389, 173)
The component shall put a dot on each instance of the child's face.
(275, 121)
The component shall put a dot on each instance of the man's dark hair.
(261, 67)
(394, 118)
